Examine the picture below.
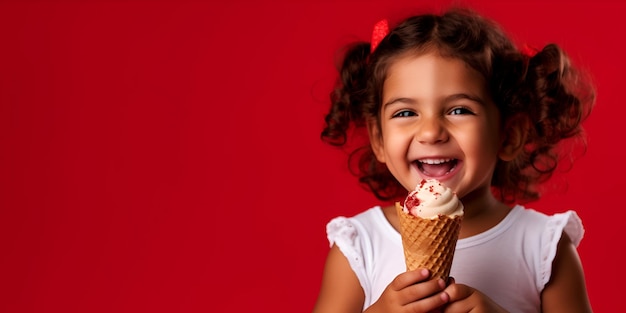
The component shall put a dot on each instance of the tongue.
(436, 169)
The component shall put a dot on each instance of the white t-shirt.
(511, 262)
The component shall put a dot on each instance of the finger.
(450, 281)
(423, 290)
(409, 278)
(458, 292)
(432, 302)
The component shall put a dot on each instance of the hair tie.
(528, 51)
(381, 29)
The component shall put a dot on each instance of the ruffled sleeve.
(567, 222)
(346, 234)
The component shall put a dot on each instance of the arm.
(410, 291)
(341, 291)
(566, 290)
(564, 293)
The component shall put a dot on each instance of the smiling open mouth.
(436, 167)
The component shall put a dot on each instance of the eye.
(404, 113)
(460, 111)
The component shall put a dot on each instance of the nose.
(431, 130)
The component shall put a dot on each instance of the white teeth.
(435, 161)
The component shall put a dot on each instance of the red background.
(165, 156)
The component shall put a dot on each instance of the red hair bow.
(381, 29)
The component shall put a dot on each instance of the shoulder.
(544, 236)
(353, 231)
(350, 227)
(529, 215)
(550, 227)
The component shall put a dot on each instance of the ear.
(515, 132)
(376, 139)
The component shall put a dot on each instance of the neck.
(482, 211)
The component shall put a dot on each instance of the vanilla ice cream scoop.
(431, 199)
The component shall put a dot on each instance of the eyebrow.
(399, 99)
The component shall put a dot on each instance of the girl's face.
(437, 121)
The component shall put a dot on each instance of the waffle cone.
(429, 243)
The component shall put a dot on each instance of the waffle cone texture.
(429, 243)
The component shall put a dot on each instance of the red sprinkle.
(422, 183)
(412, 202)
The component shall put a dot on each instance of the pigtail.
(562, 104)
(556, 99)
(347, 96)
(351, 106)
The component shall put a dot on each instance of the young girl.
(450, 97)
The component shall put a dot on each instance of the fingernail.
(441, 283)
(445, 297)
(424, 272)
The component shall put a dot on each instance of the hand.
(411, 292)
(464, 299)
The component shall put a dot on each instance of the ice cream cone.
(429, 243)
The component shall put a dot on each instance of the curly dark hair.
(551, 95)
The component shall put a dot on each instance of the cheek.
(479, 143)
(396, 142)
